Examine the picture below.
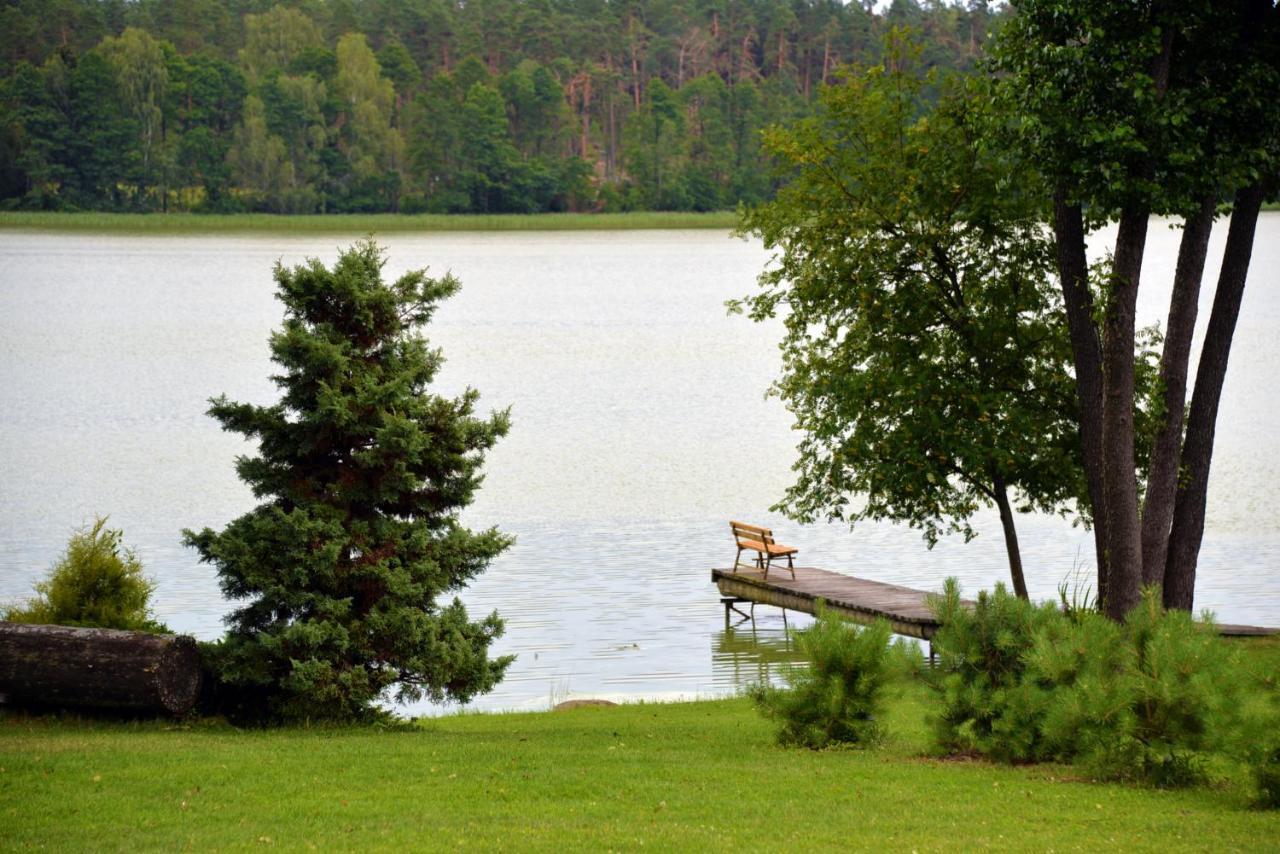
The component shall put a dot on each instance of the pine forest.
(440, 106)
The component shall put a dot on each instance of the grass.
(177, 223)
(690, 776)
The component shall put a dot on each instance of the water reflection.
(756, 651)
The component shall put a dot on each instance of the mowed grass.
(689, 776)
(174, 223)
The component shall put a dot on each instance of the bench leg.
(737, 558)
(768, 560)
(791, 566)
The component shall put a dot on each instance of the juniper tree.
(362, 472)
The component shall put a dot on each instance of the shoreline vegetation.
(380, 223)
(362, 224)
(699, 775)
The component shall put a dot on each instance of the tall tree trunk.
(1162, 474)
(1073, 271)
(1010, 536)
(1120, 481)
(1124, 529)
(1197, 450)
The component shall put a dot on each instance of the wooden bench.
(760, 540)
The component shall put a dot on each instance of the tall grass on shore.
(178, 223)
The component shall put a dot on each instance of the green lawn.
(690, 776)
(158, 223)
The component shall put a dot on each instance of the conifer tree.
(362, 472)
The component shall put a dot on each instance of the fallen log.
(98, 668)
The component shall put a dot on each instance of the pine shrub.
(837, 697)
(1161, 699)
(986, 704)
(96, 584)
(364, 473)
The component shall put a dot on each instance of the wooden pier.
(859, 599)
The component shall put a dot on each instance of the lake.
(640, 427)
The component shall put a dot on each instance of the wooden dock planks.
(860, 599)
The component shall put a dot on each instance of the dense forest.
(424, 105)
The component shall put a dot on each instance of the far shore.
(381, 223)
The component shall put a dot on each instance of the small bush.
(986, 704)
(96, 584)
(837, 697)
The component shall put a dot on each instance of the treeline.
(423, 105)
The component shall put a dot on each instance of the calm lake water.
(640, 428)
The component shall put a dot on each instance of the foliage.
(986, 703)
(838, 696)
(1160, 699)
(95, 584)
(1129, 110)
(364, 472)
(923, 358)
(620, 106)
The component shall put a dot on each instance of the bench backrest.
(751, 533)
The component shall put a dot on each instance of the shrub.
(837, 698)
(96, 584)
(986, 704)
(1159, 699)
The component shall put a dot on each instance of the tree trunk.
(1162, 474)
(1197, 449)
(1073, 271)
(1010, 537)
(98, 668)
(1120, 481)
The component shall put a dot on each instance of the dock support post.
(731, 604)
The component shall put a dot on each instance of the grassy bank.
(694, 776)
(158, 223)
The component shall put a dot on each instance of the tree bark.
(1120, 480)
(1197, 450)
(1073, 271)
(1162, 474)
(1010, 537)
(98, 668)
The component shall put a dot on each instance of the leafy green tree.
(297, 109)
(708, 172)
(922, 356)
(102, 136)
(373, 144)
(398, 66)
(654, 146)
(487, 158)
(143, 76)
(1133, 110)
(363, 472)
(260, 161)
(274, 39)
(434, 139)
